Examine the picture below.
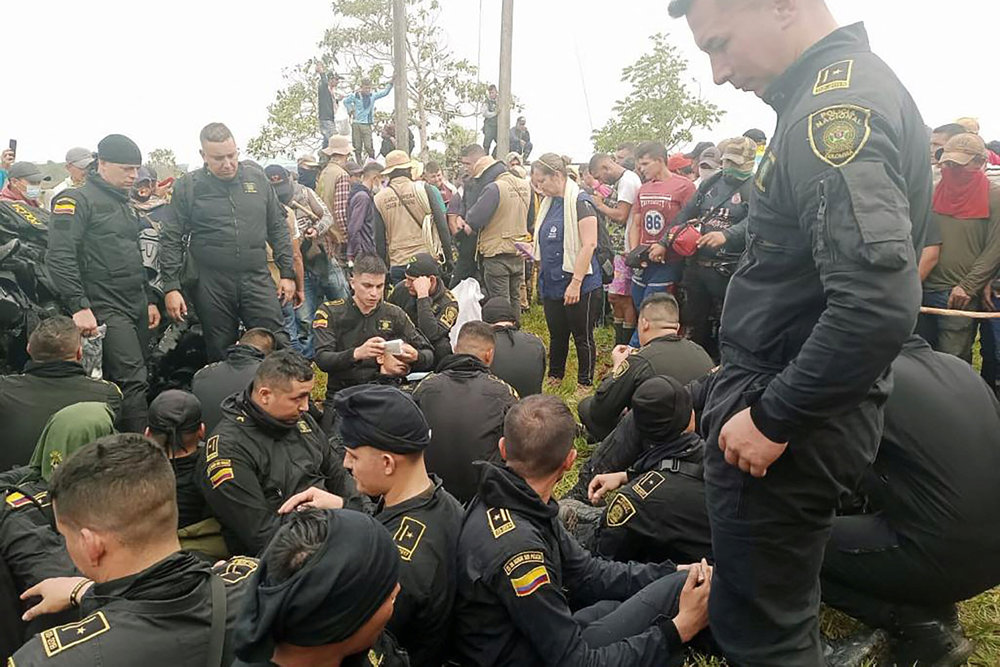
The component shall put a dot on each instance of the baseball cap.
(677, 162)
(699, 148)
(741, 151)
(174, 412)
(29, 171)
(711, 158)
(145, 174)
(279, 178)
(421, 265)
(963, 148)
(970, 124)
(307, 160)
(498, 309)
(353, 168)
(756, 135)
(79, 157)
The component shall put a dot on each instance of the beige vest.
(510, 221)
(404, 236)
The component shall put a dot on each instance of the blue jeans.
(292, 327)
(317, 292)
(951, 335)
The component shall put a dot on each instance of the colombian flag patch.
(528, 583)
(64, 206)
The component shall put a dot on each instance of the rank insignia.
(530, 582)
(335, 302)
(408, 536)
(62, 637)
(212, 448)
(647, 484)
(835, 77)
(375, 659)
(236, 569)
(64, 206)
(303, 426)
(500, 521)
(620, 511)
(250, 187)
(520, 559)
(55, 458)
(837, 134)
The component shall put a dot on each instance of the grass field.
(980, 616)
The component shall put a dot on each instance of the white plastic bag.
(468, 294)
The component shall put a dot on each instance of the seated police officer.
(350, 335)
(52, 380)
(664, 352)
(520, 574)
(385, 436)
(217, 381)
(429, 304)
(266, 448)
(660, 510)
(322, 595)
(519, 356)
(142, 598)
(933, 537)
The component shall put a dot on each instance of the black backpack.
(605, 253)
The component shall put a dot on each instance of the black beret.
(662, 407)
(119, 149)
(498, 309)
(382, 417)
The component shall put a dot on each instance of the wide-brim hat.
(397, 159)
(338, 144)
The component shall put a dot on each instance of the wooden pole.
(399, 74)
(948, 312)
(504, 103)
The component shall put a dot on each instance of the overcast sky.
(159, 72)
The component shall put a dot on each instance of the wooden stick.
(959, 313)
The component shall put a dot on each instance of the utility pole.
(504, 104)
(399, 74)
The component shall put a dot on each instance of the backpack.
(605, 252)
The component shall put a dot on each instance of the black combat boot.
(928, 638)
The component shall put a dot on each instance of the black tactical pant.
(881, 579)
(769, 533)
(124, 349)
(465, 266)
(224, 299)
(704, 290)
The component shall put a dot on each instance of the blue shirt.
(364, 108)
(552, 280)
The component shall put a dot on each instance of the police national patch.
(838, 133)
(236, 569)
(620, 511)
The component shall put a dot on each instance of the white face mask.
(705, 173)
(33, 191)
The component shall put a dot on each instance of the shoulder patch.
(16, 499)
(621, 370)
(408, 536)
(236, 569)
(620, 511)
(647, 484)
(449, 316)
(530, 581)
(303, 426)
(212, 448)
(375, 659)
(520, 559)
(219, 472)
(249, 187)
(64, 205)
(500, 521)
(334, 303)
(834, 77)
(763, 171)
(62, 637)
(838, 133)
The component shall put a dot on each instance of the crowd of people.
(771, 433)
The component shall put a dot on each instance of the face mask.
(33, 191)
(707, 173)
(734, 174)
(959, 175)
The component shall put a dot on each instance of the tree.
(164, 161)
(659, 106)
(440, 86)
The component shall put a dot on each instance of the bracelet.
(73, 601)
(574, 279)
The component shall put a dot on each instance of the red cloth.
(10, 194)
(963, 194)
(993, 157)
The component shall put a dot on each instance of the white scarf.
(571, 227)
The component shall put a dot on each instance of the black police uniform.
(822, 301)
(215, 382)
(519, 360)
(434, 315)
(670, 355)
(425, 530)
(339, 327)
(252, 463)
(30, 548)
(161, 615)
(95, 262)
(28, 401)
(230, 224)
(661, 512)
(933, 537)
(465, 406)
(721, 205)
(520, 573)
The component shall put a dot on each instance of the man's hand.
(371, 349)
(286, 290)
(320, 68)
(409, 354)
(747, 448)
(312, 498)
(657, 253)
(55, 595)
(299, 298)
(311, 233)
(7, 159)
(958, 298)
(604, 484)
(85, 322)
(692, 613)
(712, 240)
(988, 296)
(422, 286)
(619, 354)
(154, 316)
(177, 310)
(572, 295)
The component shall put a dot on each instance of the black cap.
(498, 309)
(757, 135)
(145, 174)
(422, 264)
(696, 152)
(281, 180)
(174, 413)
(119, 149)
(662, 407)
(382, 417)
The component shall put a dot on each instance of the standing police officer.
(97, 268)
(820, 304)
(231, 212)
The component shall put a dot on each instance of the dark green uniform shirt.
(434, 315)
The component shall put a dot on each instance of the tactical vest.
(404, 236)
(509, 222)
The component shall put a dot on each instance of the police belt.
(734, 356)
(681, 467)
